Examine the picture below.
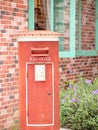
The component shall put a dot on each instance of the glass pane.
(67, 25)
(41, 18)
(85, 25)
(62, 21)
(88, 24)
(59, 15)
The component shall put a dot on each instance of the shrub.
(15, 126)
(79, 105)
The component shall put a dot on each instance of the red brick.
(5, 22)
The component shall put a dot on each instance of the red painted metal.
(39, 98)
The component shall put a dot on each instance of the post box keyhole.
(49, 93)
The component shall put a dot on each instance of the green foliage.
(15, 126)
(79, 105)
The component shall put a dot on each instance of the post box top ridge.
(38, 33)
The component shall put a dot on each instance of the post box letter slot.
(40, 51)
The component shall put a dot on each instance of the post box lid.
(38, 35)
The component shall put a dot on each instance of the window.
(51, 15)
(39, 14)
(87, 28)
(41, 11)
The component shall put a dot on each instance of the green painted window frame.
(72, 52)
(31, 15)
(81, 52)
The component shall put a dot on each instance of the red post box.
(38, 80)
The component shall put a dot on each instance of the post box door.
(40, 94)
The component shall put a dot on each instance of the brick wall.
(72, 68)
(86, 66)
(13, 18)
